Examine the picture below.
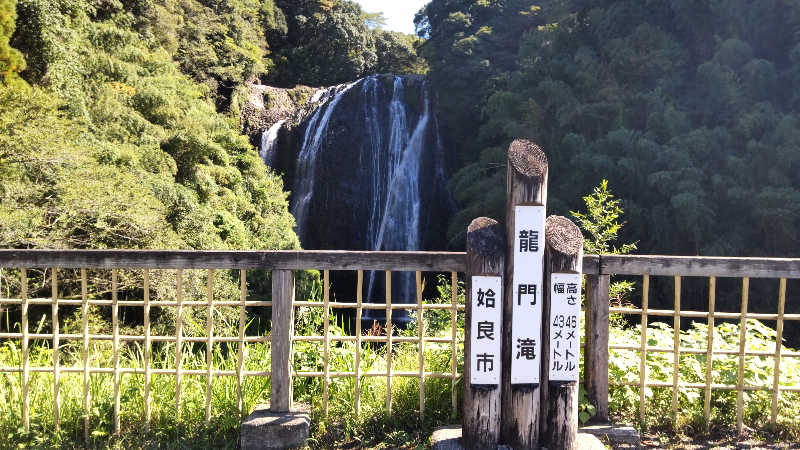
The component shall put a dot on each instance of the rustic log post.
(561, 341)
(526, 186)
(281, 340)
(481, 407)
(595, 354)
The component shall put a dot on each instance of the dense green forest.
(120, 121)
(689, 108)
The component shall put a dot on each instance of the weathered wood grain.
(396, 261)
(595, 362)
(526, 184)
(700, 266)
(481, 404)
(205, 259)
(559, 400)
(282, 331)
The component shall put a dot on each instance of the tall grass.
(342, 427)
(758, 371)
(168, 429)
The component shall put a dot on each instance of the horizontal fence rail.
(702, 266)
(209, 259)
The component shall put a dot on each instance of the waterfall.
(269, 143)
(370, 171)
(395, 226)
(312, 141)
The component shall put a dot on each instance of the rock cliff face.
(365, 163)
(267, 105)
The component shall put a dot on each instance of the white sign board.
(526, 317)
(565, 308)
(486, 330)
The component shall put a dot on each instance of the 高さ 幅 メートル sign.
(526, 317)
(486, 330)
(565, 308)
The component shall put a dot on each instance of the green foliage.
(686, 107)
(167, 429)
(220, 44)
(65, 198)
(374, 20)
(586, 410)
(758, 371)
(691, 109)
(372, 428)
(601, 222)
(330, 42)
(141, 159)
(469, 47)
(397, 53)
(111, 146)
(11, 60)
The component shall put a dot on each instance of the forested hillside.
(690, 108)
(119, 121)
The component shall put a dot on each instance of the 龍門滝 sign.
(486, 330)
(526, 317)
(565, 308)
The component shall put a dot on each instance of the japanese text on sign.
(486, 329)
(526, 320)
(565, 307)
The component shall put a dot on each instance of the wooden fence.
(282, 264)
(676, 267)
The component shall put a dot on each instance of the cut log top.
(485, 237)
(563, 236)
(527, 158)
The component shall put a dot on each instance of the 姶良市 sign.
(486, 325)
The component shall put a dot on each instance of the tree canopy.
(690, 109)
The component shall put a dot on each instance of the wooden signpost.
(524, 292)
(484, 319)
(526, 196)
(561, 352)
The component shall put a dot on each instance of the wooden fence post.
(481, 407)
(526, 194)
(281, 340)
(595, 354)
(561, 341)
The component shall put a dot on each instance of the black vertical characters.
(486, 360)
(486, 330)
(558, 288)
(572, 288)
(528, 241)
(486, 298)
(526, 289)
(526, 348)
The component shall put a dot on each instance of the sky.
(399, 13)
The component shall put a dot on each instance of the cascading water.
(269, 144)
(369, 173)
(315, 132)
